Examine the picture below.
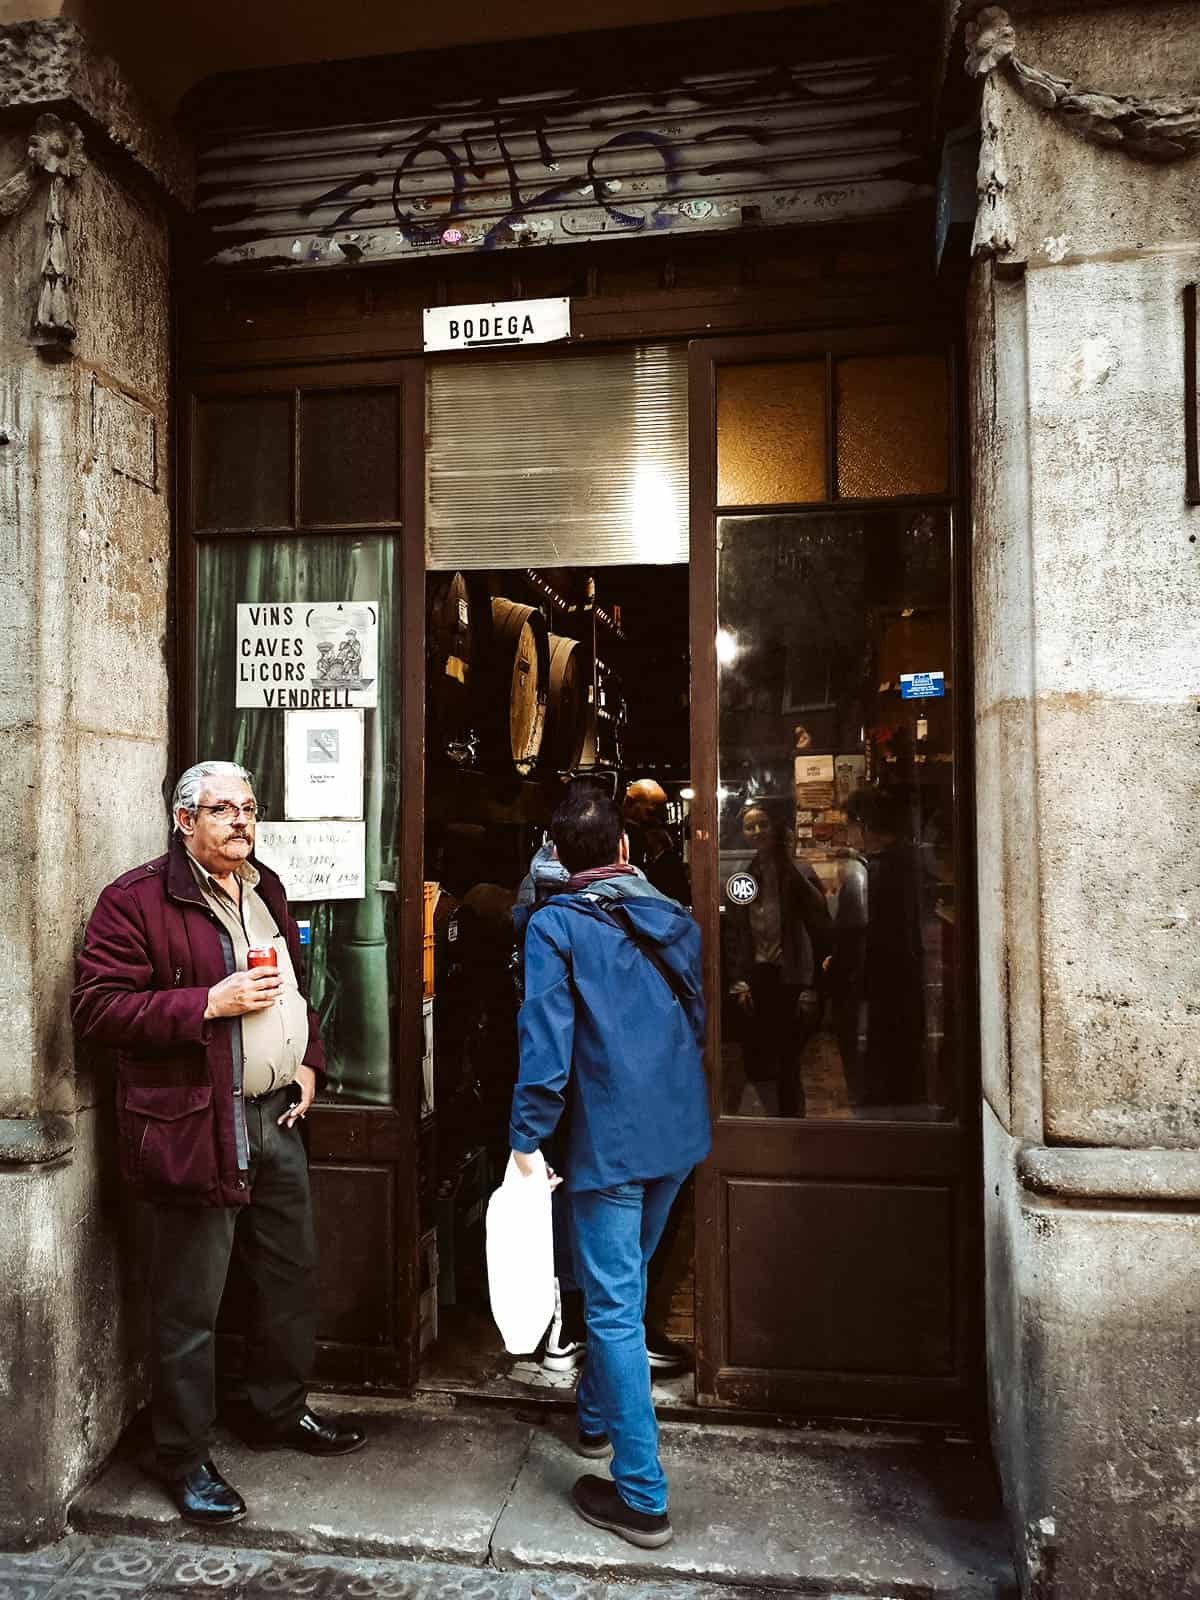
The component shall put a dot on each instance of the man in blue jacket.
(612, 1038)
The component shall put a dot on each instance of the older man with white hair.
(189, 970)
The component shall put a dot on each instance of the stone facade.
(1087, 649)
(85, 537)
(1087, 688)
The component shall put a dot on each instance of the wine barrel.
(521, 656)
(449, 647)
(566, 703)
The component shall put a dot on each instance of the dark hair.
(774, 821)
(881, 810)
(586, 829)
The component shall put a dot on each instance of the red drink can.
(261, 956)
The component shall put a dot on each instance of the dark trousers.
(658, 1303)
(192, 1247)
(777, 1036)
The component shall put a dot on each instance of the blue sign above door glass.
(922, 685)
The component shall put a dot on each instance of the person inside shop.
(652, 845)
(775, 945)
(612, 1024)
(653, 848)
(890, 982)
(846, 966)
(565, 1344)
(189, 970)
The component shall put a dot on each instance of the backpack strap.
(619, 914)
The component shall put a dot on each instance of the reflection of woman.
(775, 947)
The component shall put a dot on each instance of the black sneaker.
(566, 1342)
(597, 1502)
(592, 1445)
(666, 1357)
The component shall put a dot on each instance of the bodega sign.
(303, 655)
(500, 323)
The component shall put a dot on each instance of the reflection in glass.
(836, 815)
(777, 938)
(353, 968)
(771, 433)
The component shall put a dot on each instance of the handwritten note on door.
(316, 860)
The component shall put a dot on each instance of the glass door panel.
(836, 817)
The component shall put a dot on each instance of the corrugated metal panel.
(560, 461)
(813, 142)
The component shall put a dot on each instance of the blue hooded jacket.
(603, 1031)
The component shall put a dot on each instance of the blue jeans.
(615, 1232)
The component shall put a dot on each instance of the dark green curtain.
(352, 961)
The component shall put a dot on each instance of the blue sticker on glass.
(305, 932)
(922, 685)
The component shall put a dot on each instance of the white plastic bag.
(520, 1256)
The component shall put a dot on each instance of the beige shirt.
(274, 1040)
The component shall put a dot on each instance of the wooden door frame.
(718, 1383)
(352, 1138)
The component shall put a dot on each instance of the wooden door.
(837, 1242)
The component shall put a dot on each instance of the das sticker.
(742, 889)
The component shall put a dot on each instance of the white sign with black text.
(500, 323)
(308, 655)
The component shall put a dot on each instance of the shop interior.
(534, 677)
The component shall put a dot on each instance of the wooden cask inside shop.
(606, 426)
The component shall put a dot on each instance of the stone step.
(818, 1513)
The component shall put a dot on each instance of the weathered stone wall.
(1087, 628)
(83, 717)
(1094, 1345)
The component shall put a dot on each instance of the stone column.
(1087, 659)
(84, 546)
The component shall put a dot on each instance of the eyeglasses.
(226, 811)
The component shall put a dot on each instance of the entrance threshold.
(451, 1481)
(468, 1360)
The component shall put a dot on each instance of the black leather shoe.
(314, 1435)
(203, 1496)
(597, 1502)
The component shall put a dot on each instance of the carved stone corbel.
(55, 151)
(1148, 127)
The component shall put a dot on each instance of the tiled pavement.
(84, 1567)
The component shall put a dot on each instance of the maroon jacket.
(151, 953)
